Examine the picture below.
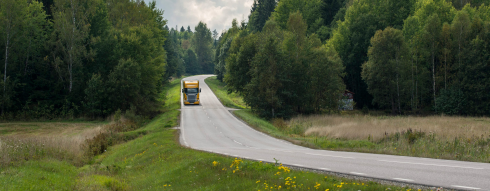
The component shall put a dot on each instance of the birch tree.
(460, 31)
(71, 30)
(12, 18)
(431, 35)
(385, 70)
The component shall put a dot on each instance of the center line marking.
(466, 187)
(402, 179)
(358, 173)
(440, 165)
(329, 155)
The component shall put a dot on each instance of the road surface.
(211, 127)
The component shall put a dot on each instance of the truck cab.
(191, 92)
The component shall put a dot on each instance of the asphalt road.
(211, 127)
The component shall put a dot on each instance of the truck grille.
(191, 98)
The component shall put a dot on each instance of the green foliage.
(66, 61)
(451, 101)
(201, 42)
(95, 95)
(260, 13)
(239, 61)
(285, 73)
(351, 38)
(191, 65)
(310, 10)
(385, 72)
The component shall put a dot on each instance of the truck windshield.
(191, 90)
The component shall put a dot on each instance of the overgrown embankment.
(441, 137)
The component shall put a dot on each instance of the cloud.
(217, 14)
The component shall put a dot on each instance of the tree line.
(190, 52)
(91, 58)
(279, 67)
(434, 58)
(416, 56)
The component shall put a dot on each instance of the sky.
(217, 14)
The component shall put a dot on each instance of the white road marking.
(358, 173)
(440, 165)
(402, 179)
(466, 187)
(325, 168)
(182, 118)
(329, 155)
(297, 165)
(237, 142)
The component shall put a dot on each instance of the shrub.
(451, 101)
(279, 123)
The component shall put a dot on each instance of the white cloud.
(217, 14)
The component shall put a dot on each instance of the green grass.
(232, 100)
(416, 144)
(156, 161)
(39, 175)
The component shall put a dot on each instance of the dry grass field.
(360, 127)
(443, 137)
(32, 140)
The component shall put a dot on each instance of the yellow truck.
(191, 92)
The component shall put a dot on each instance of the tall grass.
(76, 149)
(444, 137)
(362, 126)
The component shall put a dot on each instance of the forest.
(91, 58)
(403, 57)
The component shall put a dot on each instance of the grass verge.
(405, 142)
(156, 161)
(440, 137)
(232, 100)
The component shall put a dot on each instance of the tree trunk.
(27, 57)
(434, 77)
(459, 51)
(392, 105)
(416, 81)
(5, 71)
(70, 67)
(445, 69)
(413, 84)
(6, 62)
(397, 85)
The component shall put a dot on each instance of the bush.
(279, 123)
(112, 135)
(451, 101)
